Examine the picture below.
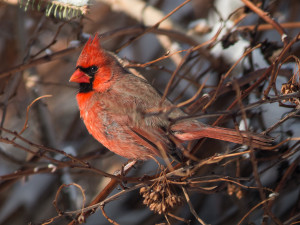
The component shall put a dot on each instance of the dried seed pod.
(163, 207)
(158, 208)
(289, 88)
(152, 206)
(143, 190)
(173, 199)
(152, 194)
(179, 200)
(170, 202)
(156, 197)
(146, 201)
(239, 194)
(157, 188)
(230, 189)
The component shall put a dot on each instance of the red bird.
(113, 104)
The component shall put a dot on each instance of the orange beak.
(80, 77)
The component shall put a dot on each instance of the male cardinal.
(114, 106)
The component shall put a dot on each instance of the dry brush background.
(232, 63)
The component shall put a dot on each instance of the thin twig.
(105, 192)
(191, 206)
(156, 25)
(106, 216)
(255, 207)
(265, 16)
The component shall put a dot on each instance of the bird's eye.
(93, 69)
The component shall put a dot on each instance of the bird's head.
(93, 70)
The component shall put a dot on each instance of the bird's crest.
(92, 53)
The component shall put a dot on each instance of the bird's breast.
(97, 118)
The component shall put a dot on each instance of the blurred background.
(239, 61)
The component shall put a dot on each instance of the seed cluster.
(289, 88)
(233, 189)
(159, 197)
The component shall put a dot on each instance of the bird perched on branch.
(117, 109)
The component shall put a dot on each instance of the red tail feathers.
(188, 132)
